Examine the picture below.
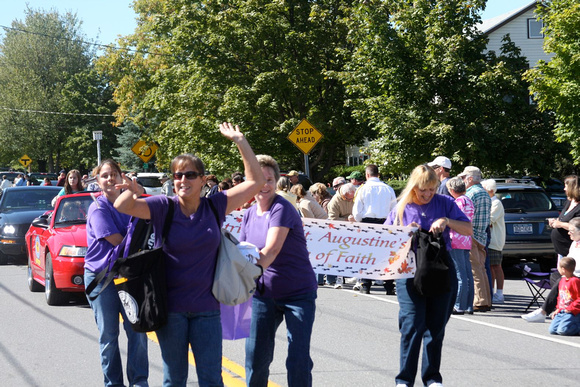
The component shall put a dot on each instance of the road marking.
(233, 374)
(535, 335)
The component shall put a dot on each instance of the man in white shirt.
(5, 182)
(372, 203)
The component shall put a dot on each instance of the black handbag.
(433, 262)
(139, 275)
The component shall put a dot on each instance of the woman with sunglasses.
(191, 250)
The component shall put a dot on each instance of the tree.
(51, 95)
(420, 77)
(555, 85)
(261, 64)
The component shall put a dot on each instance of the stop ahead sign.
(305, 136)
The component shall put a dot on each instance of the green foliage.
(45, 67)
(419, 76)
(556, 84)
(260, 64)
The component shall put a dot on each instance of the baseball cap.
(441, 161)
(471, 171)
(338, 181)
(356, 175)
(292, 173)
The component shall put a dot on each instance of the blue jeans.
(565, 324)
(267, 314)
(464, 299)
(106, 308)
(422, 319)
(203, 331)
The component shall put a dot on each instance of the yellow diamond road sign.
(25, 160)
(305, 136)
(144, 151)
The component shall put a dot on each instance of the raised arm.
(255, 180)
(128, 202)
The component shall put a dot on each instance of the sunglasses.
(189, 175)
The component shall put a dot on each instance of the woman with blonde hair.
(319, 192)
(423, 318)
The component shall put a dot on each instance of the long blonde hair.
(422, 176)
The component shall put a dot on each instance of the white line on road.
(524, 333)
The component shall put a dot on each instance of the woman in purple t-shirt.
(423, 318)
(286, 290)
(106, 228)
(190, 257)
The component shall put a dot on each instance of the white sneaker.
(338, 286)
(497, 299)
(356, 286)
(535, 316)
(436, 384)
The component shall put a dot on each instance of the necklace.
(424, 209)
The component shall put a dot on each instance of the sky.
(104, 20)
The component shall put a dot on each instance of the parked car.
(18, 208)
(10, 175)
(37, 178)
(56, 245)
(527, 208)
(151, 182)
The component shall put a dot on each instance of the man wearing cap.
(481, 218)
(293, 177)
(356, 178)
(372, 204)
(442, 165)
(337, 182)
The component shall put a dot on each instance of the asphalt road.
(355, 343)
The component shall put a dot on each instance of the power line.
(56, 113)
(84, 42)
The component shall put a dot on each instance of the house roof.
(490, 25)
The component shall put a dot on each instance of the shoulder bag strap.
(114, 271)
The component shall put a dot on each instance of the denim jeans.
(106, 308)
(464, 299)
(267, 314)
(203, 331)
(565, 324)
(422, 319)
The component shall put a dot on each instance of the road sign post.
(98, 136)
(305, 137)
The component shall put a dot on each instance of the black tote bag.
(432, 273)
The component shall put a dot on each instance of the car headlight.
(72, 251)
(9, 229)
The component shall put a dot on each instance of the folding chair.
(537, 286)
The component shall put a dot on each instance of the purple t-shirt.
(191, 250)
(440, 206)
(291, 273)
(103, 220)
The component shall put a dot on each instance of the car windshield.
(73, 210)
(27, 199)
(528, 201)
(150, 181)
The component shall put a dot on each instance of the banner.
(349, 249)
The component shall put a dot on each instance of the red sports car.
(56, 244)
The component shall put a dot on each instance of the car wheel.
(53, 295)
(33, 286)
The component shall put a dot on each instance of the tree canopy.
(556, 84)
(261, 64)
(420, 76)
(52, 98)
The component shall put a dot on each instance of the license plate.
(523, 229)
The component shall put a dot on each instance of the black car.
(19, 206)
(527, 209)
